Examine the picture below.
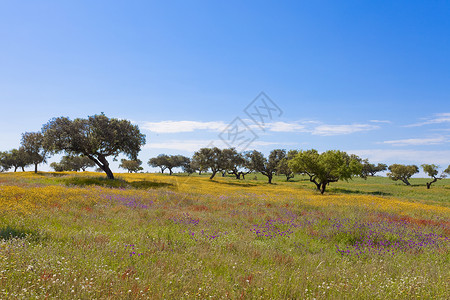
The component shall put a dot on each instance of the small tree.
(283, 166)
(432, 171)
(72, 163)
(131, 165)
(96, 137)
(168, 162)
(327, 167)
(266, 166)
(235, 163)
(18, 158)
(161, 161)
(58, 167)
(371, 169)
(187, 166)
(5, 161)
(210, 158)
(402, 172)
(447, 171)
(33, 144)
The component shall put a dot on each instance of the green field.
(153, 236)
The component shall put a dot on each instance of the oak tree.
(96, 137)
(266, 166)
(402, 172)
(326, 167)
(131, 165)
(432, 171)
(33, 144)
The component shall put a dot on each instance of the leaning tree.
(96, 137)
(402, 172)
(432, 171)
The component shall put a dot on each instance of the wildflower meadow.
(154, 236)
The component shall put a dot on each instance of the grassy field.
(79, 236)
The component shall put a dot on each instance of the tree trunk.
(103, 164)
(223, 173)
(35, 168)
(322, 189)
(243, 176)
(270, 178)
(430, 183)
(406, 181)
(23, 169)
(170, 171)
(213, 174)
(200, 172)
(15, 169)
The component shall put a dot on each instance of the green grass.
(199, 246)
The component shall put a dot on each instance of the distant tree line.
(88, 142)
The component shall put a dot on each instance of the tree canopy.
(283, 167)
(402, 172)
(210, 158)
(164, 161)
(327, 167)
(33, 144)
(432, 171)
(266, 166)
(131, 165)
(72, 163)
(96, 137)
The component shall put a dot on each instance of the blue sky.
(368, 77)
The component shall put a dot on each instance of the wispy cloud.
(417, 142)
(182, 126)
(328, 130)
(312, 127)
(381, 121)
(405, 156)
(194, 145)
(286, 127)
(436, 119)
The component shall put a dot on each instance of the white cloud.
(194, 145)
(312, 127)
(286, 127)
(436, 119)
(381, 121)
(329, 130)
(417, 142)
(182, 126)
(405, 156)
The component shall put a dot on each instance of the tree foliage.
(210, 158)
(327, 167)
(432, 171)
(283, 167)
(371, 169)
(169, 162)
(72, 163)
(15, 158)
(235, 163)
(96, 137)
(402, 172)
(266, 166)
(33, 144)
(131, 165)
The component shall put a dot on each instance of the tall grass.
(195, 238)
